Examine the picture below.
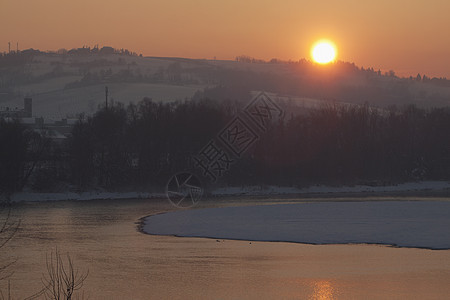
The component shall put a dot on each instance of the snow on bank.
(31, 197)
(238, 191)
(419, 224)
(321, 189)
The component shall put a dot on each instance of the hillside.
(68, 83)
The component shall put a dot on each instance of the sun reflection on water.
(323, 290)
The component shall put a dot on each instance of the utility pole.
(106, 97)
(17, 49)
(9, 47)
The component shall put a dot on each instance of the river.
(123, 263)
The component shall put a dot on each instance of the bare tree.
(62, 280)
(8, 228)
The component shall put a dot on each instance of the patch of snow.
(420, 224)
(321, 189)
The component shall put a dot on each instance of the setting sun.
(323, 52)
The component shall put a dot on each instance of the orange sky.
(407, 36)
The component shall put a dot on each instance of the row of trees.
(173, 74)
(143, 145)
(22, 151)
(140, 144)
(441, 81)
(356, 144)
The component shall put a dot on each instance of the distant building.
(26, 112)
(57, 130)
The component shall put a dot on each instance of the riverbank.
(410, 189)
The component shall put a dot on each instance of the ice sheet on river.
(421, 224)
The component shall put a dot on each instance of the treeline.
(22, 151)
(356, 144)
(142, 145)
(341, 81)
(85, 50)
(131, 73)
(439, 81)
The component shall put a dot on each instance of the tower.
(106, 97)
(28, 107)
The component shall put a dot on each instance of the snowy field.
(322, 189)
(70, 102)
(419, 224)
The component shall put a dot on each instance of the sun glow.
(323, 52)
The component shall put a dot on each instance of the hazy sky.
(408, 36)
